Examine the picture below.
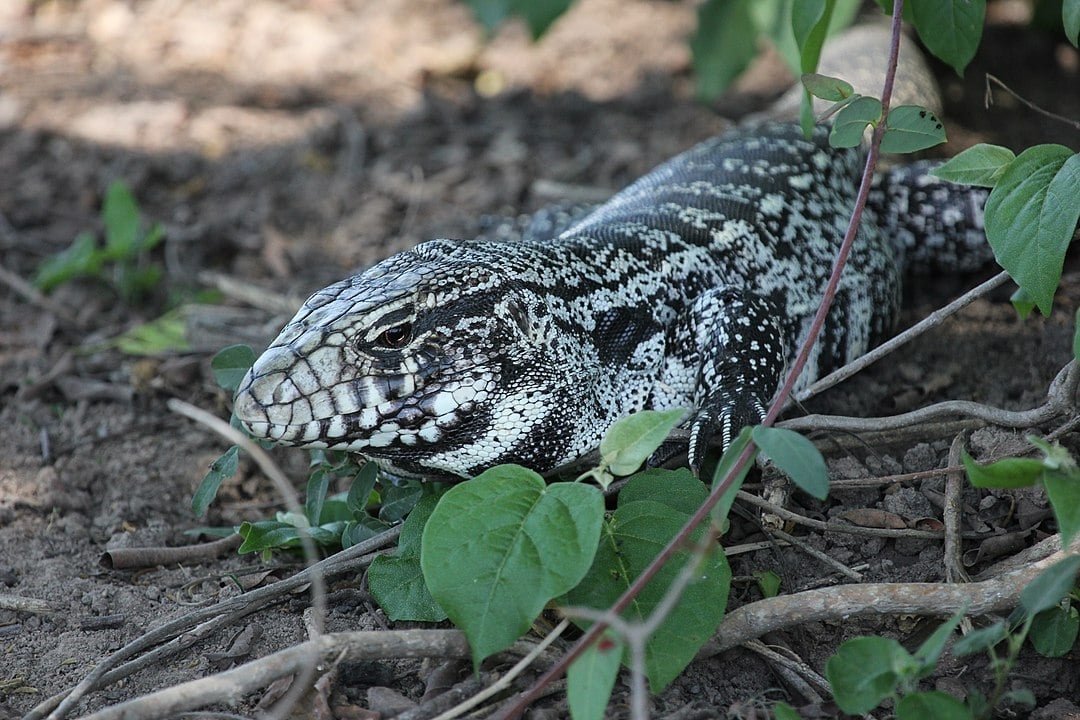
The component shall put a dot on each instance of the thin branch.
(127, 558)
(989, 100)
(839, 604)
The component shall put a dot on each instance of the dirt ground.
(284, 144)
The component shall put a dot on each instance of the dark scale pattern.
(691, 288)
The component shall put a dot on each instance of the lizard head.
(406, 363)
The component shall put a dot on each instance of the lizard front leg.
(739, 344)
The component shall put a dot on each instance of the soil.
(284, 144)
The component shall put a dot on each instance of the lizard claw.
(725, 420)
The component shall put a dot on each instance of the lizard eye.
(397, 336)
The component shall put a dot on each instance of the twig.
(821, 557)
(1060, 398)
(930, 321)
(210, 618)
(26, 605)
(846, 601)
(127, 558)
(951, 515)
(793, 670)
(34, 296)
(232, 685)
(989, 100)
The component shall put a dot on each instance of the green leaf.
(809, 24)
(864, 671)
(827, 88)
(632, 439)
(1031, 215)
(499, 546)
(911, 128)
(358, 531)
(399, 500)
(981, 164)
(1049, 586)
(980, 640)
(635, 534)
(120, 213)
(768, 582)
(950, 29)
(930, 651)
(723, 45)
(850, 123)
(591, 677)
(268, 535)
(797, 457)
(166, 334)
(1020, 698)
(1022, 302)
(727, 461)
(361, 488)
(540, 14)
(678, 489)
(231, 364)
(933, 704)
(1063, 490)
(397, 582)
(317, 486)
(1053, 631)
(783, 711)
(82, 258)
(220, 470)
(1003, 474)
(1070, 19)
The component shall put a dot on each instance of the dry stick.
(846, 601)
(127, 558)
(352, 559)
(951, 514)
(518, 704)
(823, 558)
(1059, 399)
(930, 321)
(794, 670)
(988, 100)
(232, 685)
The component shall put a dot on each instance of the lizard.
(691, 288)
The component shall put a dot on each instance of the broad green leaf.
(911, 128)
(358, 531)
(1063, 490)
(1003, 474)
(1070, 18)
(768, 582)
(933, 704)
(397, 581)
(632, 439)
(1049, 586)
(1020, 698)
(1031, 215)
(930, 651)
(591, 677)
(980, 640)
(80, 259)
(1053, 631)
(850, 123)
(783, 711)
(797, 457)
(1022, 302)
(120, 213)
(230, 364)
(268, 535)
(727, 461)
(166, 334)
(809, 23)
(632, 537)
(678, 489)
(499, 546)
(317, 486)
(220, 470)
(864, 671)
(981, 164)
(400, 499)
(951, 29)
(537, 14)
(362, 486)
(723, 45)
(827, 88)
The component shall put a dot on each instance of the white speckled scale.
(691, 288)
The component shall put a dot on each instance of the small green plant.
(122, 261)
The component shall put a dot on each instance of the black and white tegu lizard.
(692, 288)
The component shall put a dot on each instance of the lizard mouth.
(292, 406)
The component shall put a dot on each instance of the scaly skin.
(691, 288)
